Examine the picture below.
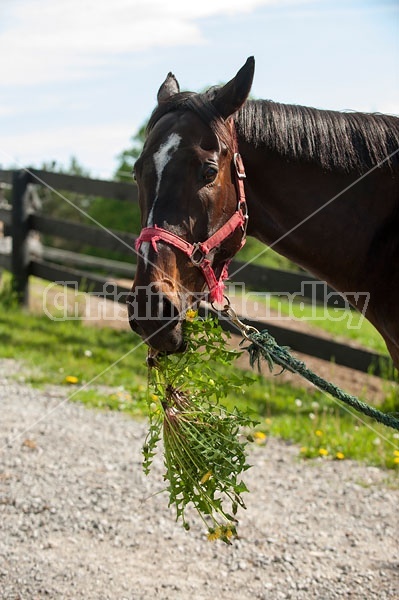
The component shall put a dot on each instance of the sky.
(79, 77)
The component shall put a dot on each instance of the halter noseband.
(199, 251)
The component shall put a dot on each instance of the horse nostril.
(167, 310)
(155, 316)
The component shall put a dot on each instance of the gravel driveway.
(78, 519)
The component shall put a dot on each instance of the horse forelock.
(201, 105)
(336, 140)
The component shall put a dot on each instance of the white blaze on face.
(161, 159)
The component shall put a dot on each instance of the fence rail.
(61, 265)
(107, 239)
(60, 182)
(112, 268)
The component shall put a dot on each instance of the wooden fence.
(61, 265)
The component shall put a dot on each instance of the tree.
(54, 203)
(128, 157)
(74, 168)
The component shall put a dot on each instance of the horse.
(319, 186)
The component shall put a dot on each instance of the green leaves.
(204, 453)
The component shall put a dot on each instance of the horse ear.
(169, 88)
(231, 97)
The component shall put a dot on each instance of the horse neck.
(301, 210)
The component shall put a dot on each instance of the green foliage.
(391, 402)
(128, 157)
(256, 252)
(74, 167)
(204, 455)
(8, 296)
(112, 214)
(70, 206)
(116, 215)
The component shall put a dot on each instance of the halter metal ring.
(225, 308)
(197, 250)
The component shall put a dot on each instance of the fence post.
(19, 230)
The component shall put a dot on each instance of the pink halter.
(199, 251)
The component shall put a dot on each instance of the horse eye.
(209, 173)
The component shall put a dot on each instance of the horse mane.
(342, 141)
(335, 140)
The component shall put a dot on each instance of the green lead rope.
(263, 345)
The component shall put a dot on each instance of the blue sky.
(78, 77)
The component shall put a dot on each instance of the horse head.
(193, 212)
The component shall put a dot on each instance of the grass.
(55, 350)
(321, 426)
(111, 364)
(259, 254)
(339, 322)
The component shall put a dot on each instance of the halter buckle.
(197, 250)
(239, 165)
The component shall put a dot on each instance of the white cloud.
(45, 41)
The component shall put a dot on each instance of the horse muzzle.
(157, 317)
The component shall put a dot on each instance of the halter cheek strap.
(199, 251)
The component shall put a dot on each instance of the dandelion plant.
(204, 445)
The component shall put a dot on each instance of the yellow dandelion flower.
(323, 451)
(396, 452)
(191, 314)
(396, 460)
(340, 455)
(259, 436)
(214, 534)
(205, 477)
(303, 449)
(71, 379)
(318, 432)
(268, 421)
(154, 397)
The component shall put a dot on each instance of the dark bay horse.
(321, 187)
